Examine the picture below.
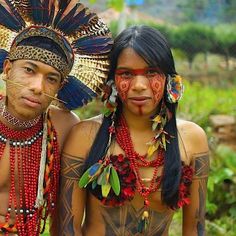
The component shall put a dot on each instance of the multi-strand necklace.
(124, 140)
(25, 156)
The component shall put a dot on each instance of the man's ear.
(7, 66)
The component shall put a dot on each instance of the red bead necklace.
(136, 161)
(25, 154)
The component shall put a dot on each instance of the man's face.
(28, 84)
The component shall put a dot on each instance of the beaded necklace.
(115, 178)
(136, 161)
(13, 120)
(25, 156)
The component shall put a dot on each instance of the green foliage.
(116, 4)
(221, 204)
(193, 38)
(225, 40)
(193, 10)
(199, 102)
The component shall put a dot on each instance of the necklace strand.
(137, 161)
(12, 120)
(25, 154)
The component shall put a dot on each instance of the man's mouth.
(31, 102)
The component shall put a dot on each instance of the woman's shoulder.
(82, 136)
(63, 118)
(192, 140)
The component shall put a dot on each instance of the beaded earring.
(175, 88)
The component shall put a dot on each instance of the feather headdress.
(81, 35)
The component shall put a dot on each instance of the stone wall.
(224, 129)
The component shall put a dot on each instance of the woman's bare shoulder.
(192, 139)
(81, 138)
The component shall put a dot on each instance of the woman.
(140, 164)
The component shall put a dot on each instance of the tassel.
(143, 222)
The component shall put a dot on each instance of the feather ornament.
(103, 175)
(75, 94)
(81, 32)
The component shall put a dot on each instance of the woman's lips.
(139, 101)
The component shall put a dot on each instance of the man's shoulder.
(192, 139)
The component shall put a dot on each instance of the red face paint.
(157, 84)
(124, 77)
(140, 110)
(122, 86)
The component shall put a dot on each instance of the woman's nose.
(139, 82)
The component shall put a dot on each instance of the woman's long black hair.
(151, 45)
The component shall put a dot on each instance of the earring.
(175, 88)
(109, 98)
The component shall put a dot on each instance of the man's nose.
(37, 84)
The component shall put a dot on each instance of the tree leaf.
(115, 182)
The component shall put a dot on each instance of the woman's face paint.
(139, 86)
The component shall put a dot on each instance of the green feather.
(106, 189)
(94, 184)
(115, 182)
(85, 179)
(104, 176)
(90, 174)
(164, 141)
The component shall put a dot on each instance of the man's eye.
(28, 70)
(52, 80)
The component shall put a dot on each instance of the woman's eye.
(152, 73)
(126, 75)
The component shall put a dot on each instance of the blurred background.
(202, 35)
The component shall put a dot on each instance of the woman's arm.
(196, 148)
(194, 213)
(72, 199)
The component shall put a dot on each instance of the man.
(53, 44)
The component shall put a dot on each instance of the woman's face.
(140, 87)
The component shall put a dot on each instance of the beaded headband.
(84, 40)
